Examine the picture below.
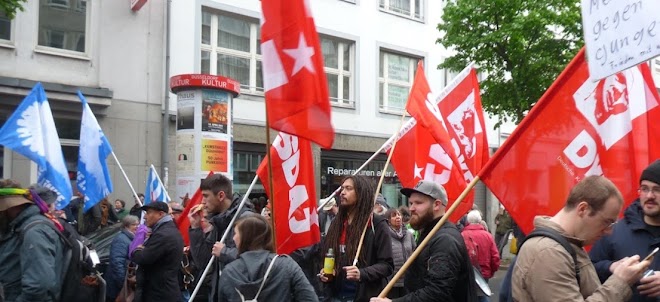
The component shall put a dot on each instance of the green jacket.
(504, 223)
(31, 270)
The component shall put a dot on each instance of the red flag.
(460, 105)
(294, 80)
(417, 156)
(578, 128)
(296, 220)
(183, 223)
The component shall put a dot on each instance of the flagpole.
(271, 193)
(161, 182)
(380, 183)
(428, 237)
(222, 240)
(126, 178)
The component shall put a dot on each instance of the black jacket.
(375, 265)
(201, 244)
(442, 271)
(159, 264)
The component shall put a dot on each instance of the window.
(407, 8)
(396, 75)
(245, 167)
(5, 26)
(231, 48)
(338, 58)
(63, 24)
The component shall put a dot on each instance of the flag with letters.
(294, 209)
(30, 131)
(579, 127)
(93, 178)
(296, 89)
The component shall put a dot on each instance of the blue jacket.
(629, 237)
(31, 269)
(116, 271)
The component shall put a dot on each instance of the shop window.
(63, 24)
(407, 8)
(339, 61)
(231, 47)
(396, 75)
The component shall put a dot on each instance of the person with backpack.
(481, 248)
(545, 270)
(259, 274)
(31, 251)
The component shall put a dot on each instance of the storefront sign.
(347, 172)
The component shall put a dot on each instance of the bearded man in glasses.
(638, 233)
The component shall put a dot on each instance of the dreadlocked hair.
(365, 191)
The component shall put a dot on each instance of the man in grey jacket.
(32, 257)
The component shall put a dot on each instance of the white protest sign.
(620, 34)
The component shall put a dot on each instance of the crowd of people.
(371, 242)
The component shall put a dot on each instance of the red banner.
(294, 206)
(183, 223)
(460, 105)
(578, 128)
(296, 89)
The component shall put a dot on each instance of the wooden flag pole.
(397, 134)
(426, 240)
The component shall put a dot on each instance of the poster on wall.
(185, 188)
(215, 111)
(185, 149)
(214, 155)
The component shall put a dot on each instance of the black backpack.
(81, 280)
(506, 293)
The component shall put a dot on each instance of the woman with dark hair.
(258, 271)
(403, 245)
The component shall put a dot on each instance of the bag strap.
(263, 282)
(556, 236)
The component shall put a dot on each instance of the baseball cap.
(427, 188)
(329, 204)
(156, 205)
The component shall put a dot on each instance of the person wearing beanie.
(637, 233)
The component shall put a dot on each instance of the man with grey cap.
(442, 271)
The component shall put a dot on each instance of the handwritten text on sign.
(620, 34)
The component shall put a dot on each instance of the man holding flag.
(217, 200)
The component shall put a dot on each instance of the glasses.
(609, 222)
(645, 190)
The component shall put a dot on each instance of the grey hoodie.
(286, 281)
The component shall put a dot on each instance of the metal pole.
(137, 199)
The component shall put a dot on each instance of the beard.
(419, 222)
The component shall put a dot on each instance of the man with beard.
(367, 278)
(442, 271)
(638, 233)
(217, 200)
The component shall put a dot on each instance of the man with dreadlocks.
(375, 264)
(31, 251)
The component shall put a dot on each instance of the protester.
(108, 214)
(636, 234)
(250, 275)
(381, 205)
(481, 248)
(405, 216)
(116, 270)
(120, 209)
(326, 216)
(159, 257)
(503, 225)
(216, 198)
(403, 245)
(544, 270)
(31, 251)
(136, 209)
(85, 222)
(177, 209)
(369, 276)
(442, 271)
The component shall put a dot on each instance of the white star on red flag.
(302, 56)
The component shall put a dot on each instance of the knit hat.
(652, 173)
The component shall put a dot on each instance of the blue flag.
(93, 177)
(155, 191)
(30, 131)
